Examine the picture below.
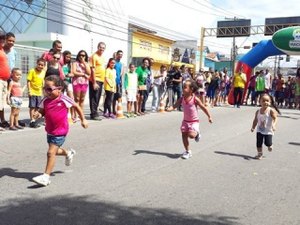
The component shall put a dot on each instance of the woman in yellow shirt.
(239, 82)
(109, 87)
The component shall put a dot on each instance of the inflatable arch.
(284, 41)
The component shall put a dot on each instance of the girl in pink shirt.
(54, 107)
(190, 123)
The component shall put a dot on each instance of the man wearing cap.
(4, 76)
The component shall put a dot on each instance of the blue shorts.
(16, 102)
(56, 140)
(34, 101)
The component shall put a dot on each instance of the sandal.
(259, 156)
(270, 148)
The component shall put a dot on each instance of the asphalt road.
(129, 172)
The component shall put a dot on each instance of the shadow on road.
(246, 157)
(169, 155)
(23, 175)
(86, 210)
(294, 143)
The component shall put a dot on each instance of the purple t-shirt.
(56, 114)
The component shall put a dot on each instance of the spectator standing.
(131, 84)
(35, 81)
(239, 82)
(148, 85)
(177, 84)
(142, 72)
(268, 81)
(4, 76)
(56, 47)
(81, 71)
(119, 76)
(9, 50)
(158, 87)
(110, 88)
(97, 64)
(14, 98)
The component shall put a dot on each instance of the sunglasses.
(56, 57)
(51, 89)
(82, 55)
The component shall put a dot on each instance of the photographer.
(177, 83)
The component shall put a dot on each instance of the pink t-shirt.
(16, 89)
(190, 112)
(56, 114)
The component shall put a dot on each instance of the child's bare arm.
(204, 109)
(176, 105)
(39, 114)
(254, 122)
(8, 93)
(78, 110)
(274, 117)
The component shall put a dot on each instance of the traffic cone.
(70, 120)
(120, 114)
(161, 108)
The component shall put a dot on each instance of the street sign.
(233, 28)
(274, 24)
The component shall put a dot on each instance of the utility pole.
(201, 47)
(275, 62)
(233, 53)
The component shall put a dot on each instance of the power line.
(197, 10)
(111, 14)
(80, 28)
(219, 8)
(163, 29)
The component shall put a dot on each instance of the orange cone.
(120, 114)
(161, 108)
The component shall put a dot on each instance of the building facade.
(79, 24)
(145, 43)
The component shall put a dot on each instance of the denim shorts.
(16, 102)
(56, 140)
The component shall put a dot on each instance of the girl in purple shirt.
(190, 123)
(54, 107)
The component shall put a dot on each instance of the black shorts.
(34, 101)
(260, 138)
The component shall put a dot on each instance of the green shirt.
(142, 75)
(260, 83)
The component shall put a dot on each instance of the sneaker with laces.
(43, 179)
(187, 155)
(69, 157)
(197, 138)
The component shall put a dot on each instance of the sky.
(185, 18)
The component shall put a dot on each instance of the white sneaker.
(43, 179)
(69, 157)
(187, 155)
(197, 138)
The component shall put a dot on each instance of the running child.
(14, 98)
(54, 107)
(190, 123)
(266, 120)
